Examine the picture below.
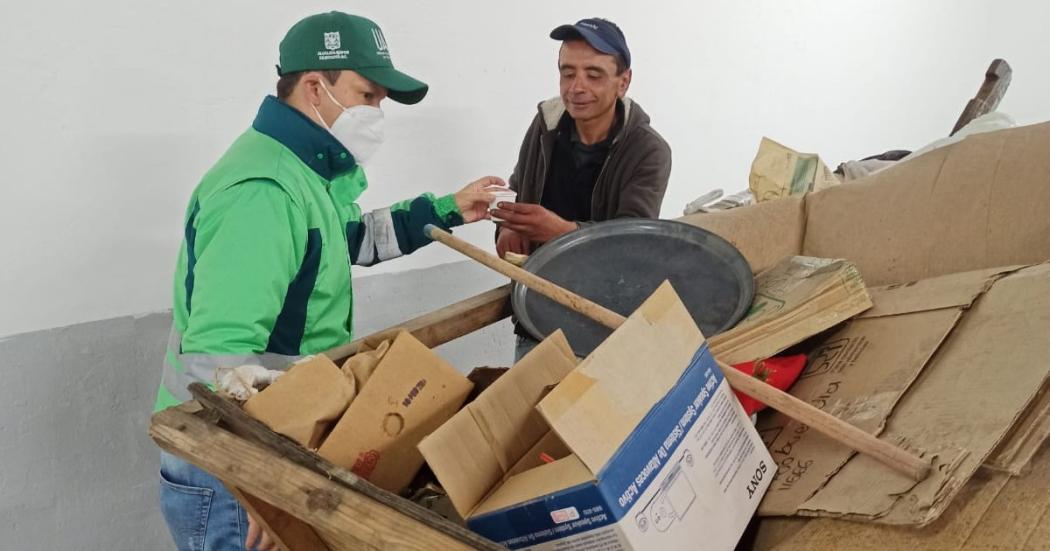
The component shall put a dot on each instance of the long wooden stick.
(821, 421)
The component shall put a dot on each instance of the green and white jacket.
(263, 275)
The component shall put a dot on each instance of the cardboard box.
(305, 402)
(765, 233)
(651, 450)
(797, 298)
(411, 392)
(944, 367)
(484, 441)
(974, 205)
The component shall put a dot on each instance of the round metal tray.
(619, 263)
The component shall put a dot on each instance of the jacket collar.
(311, 142)
(553, 109)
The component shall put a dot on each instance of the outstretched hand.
(533, 222)
(473, 200)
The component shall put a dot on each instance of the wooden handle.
(515, 258)
(558, 294)
(823, 422)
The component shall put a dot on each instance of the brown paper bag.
(360, 366)
(305, 402)
(411, 392)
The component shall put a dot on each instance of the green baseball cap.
(335, 41)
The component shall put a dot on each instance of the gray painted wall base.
(77, 468)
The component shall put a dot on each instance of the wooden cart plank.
(443, 325)
(290, 533)
(358, 520)
(293, 532)
(253, 430)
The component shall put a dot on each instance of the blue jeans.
(201, 513)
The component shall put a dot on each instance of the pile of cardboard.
(794, 300)
(945, 367)
(640, 445)
(949, 363)
(939, 350)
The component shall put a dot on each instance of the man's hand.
(512, 241)
(532, 222)
(257, 538)
(473, 200)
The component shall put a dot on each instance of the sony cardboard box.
(640, 446)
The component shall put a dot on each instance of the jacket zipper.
(601, 173)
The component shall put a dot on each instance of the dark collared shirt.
(574, 169)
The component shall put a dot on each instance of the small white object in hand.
(504, 195)
(242, 382)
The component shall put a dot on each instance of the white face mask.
(358, 128)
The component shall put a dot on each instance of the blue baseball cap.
(603, 35)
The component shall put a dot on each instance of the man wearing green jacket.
(263, 275)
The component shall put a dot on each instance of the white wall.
(110, 111)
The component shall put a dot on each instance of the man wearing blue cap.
(590, 154)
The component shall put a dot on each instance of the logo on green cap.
(381, 47)
(332, 40)
(332, 43)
